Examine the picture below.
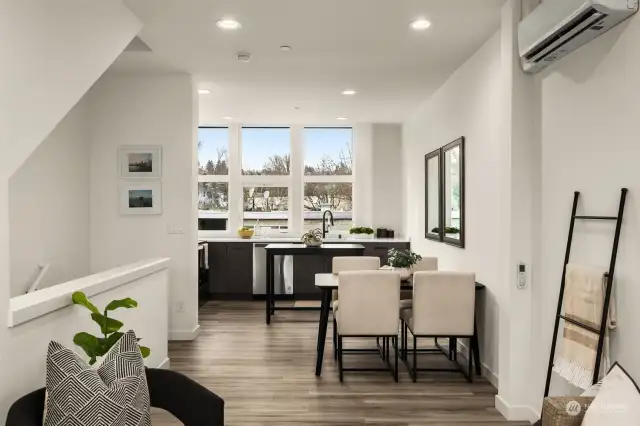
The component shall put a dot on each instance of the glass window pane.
(266, 151)
(213, 151)
(337, 197)
(213, 206)
(267, 205)
(328, 151)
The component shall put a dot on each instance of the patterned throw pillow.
(114, 394)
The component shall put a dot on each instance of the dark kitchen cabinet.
(305, 269)
(230, 269)
(240, 268)
(381, 250)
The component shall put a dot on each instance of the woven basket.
(564, 410)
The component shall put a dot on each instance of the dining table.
(329, 282)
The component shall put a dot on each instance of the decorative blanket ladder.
(609, 277)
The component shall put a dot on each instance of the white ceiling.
(366, 45)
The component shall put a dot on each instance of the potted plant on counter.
(402, 261)
(361, 232)
(313, 238)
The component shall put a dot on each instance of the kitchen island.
(325, 253)
(232, 261)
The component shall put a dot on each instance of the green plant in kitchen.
(312, 238)
(361, 230)
(403, 258)
(96, 347)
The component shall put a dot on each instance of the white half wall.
(49, 207)
(147, 109)
(28, 341)
(590, 135)
(468, 105)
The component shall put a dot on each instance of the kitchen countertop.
(258, 240)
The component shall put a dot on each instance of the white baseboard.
(487, 373)
(182, 335)
(515, 413)
(164, 364)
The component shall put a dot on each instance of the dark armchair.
(188, 401)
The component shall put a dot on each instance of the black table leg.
(268, 282)
(475, 347)
(322, 328)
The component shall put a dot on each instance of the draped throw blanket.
(585, 290)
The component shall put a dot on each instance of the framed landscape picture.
(141, 198)
(140, 161)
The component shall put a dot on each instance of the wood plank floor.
(265, 374)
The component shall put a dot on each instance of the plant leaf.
(145, 351)
(89, 344)
(127, 303)
(106, 344)
(107, 325)
(79, 298)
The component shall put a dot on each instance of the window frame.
(294, 182)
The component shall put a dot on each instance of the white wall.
(468, 104)
(49, 207)
(38, 41)
(146, 109)
(387, 177)
(590, 132)
(28, 341)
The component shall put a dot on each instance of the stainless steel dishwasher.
(282, 274)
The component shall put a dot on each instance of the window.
(337, 197)
(266, 205)
(213, 178)
(213, 151)
(281, 178)
(328, 151)
(328, 176)
(266, 151)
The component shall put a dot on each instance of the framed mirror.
(453, 193)
(433, 196)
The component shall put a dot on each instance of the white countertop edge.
(297, 240)
(27, 307)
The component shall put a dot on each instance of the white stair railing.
(36, 283)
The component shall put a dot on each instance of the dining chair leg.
(470, 356)
(395, 371)
(335, 338)
(385, 342)
(415, 359)
(340, 358)
(405, 342)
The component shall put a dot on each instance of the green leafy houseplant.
(94, 346)
(403, 258)
(361, 230)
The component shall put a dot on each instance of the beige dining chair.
(426, 264)
(443, 307)
(369, 304)
(344, 264)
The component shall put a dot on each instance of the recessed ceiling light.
(228, 118)
(286, 48)
(420, 24)
(228, 24)
(349, 92)
(342, 118)
(204, 91)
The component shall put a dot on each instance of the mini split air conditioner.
(558, 27)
